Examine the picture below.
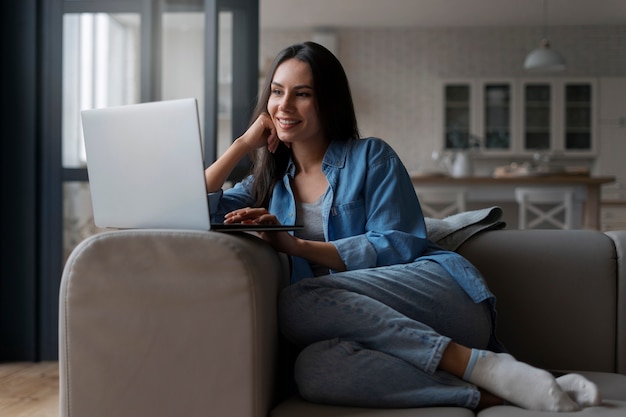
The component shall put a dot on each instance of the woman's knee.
(290, 303)
(296, 314)
(316, 369)
(293, 297)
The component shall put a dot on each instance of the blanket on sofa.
(450, 233)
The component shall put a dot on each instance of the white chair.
(439, 203)
(539, 206)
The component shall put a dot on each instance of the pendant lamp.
(544, 58)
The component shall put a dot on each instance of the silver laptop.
(146, 168)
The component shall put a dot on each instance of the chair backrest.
(540, 206)
(441, 202)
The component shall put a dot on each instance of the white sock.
(580, 389)
(519, 383)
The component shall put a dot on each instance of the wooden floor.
(29, 389)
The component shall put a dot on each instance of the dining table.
(490, 189)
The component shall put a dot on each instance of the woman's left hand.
(280, 241)
(250, 215)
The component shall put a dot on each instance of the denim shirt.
(370, 213)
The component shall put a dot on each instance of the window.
(103, 53)
(100, 69)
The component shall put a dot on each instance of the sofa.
(157, 323)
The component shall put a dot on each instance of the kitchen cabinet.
(521, 116)
(458, 109)
(611, 158)
(478, 114)
(613, 216)
(558, 116)
(495, 124)
(537, 131)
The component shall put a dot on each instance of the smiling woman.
(368, 308)
(292, 102)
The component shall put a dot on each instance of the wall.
(394, 73)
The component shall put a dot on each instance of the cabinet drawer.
(613, 217)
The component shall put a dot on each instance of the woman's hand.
(262, 133)
(322, 253)
(251, 215)
(280, 241)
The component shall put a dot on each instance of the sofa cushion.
(296, 406)
(611, 386)
(612, 390)
(609, 408)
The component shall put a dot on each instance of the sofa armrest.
(619, 238)
(163, 323)
(556, 289)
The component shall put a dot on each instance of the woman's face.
(292, 103)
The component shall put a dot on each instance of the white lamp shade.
(544, 59)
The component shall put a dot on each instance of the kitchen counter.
(503, 189)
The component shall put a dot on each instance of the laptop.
(146, 169)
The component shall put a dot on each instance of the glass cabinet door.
(497, 111)
(457, 112)
(537, 116)
(520, 116)
(578, 116)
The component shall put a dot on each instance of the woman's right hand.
(261, 133)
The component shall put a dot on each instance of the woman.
(384, 318)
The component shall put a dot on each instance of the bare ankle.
(454, 359)
(487, 400)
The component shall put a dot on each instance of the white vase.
(461, 165)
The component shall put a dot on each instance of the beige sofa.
(180, 323)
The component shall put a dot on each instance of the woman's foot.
(580, 389)
(519, 383)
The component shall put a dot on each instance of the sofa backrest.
(557, 296)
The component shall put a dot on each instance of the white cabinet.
(521, 116)
(578, 117)
(478, 114)
(495, 115)
(613, 216)
(612, 133)
(559, 116)
(538, 111)
(458, 112)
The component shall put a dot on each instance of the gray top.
(310, 216)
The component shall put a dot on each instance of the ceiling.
(307, 14)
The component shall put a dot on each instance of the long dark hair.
(335, 110)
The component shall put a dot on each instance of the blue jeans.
(374, 337)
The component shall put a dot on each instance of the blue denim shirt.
(370, 213)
